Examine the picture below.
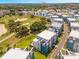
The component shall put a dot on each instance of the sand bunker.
(23, 19)
(3, 30)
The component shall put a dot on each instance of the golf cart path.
(7, 37)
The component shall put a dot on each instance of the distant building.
(45, 41)
(76, 16)
(59, 20)
(71, 20)
(23, 12)
(1, 13)
(66, 16)
(54, 16)
(41, 13)
(74, 26)
(73, 41)
(70, 57)
(17, 53)
(56, 27)
(49, 15)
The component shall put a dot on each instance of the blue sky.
(39, 1)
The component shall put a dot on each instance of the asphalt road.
(62, 43)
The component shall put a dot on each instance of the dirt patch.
(3, 30)
(23, 19)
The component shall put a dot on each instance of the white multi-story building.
(56, 27)
(73, 41)
(45, 41)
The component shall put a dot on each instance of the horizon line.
(42, 3)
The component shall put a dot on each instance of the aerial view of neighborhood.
(39, 29)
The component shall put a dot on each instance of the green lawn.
(9, 42)
(4, 35)
(56, 57)
(38, 55)
(23, 42)
(26, 41)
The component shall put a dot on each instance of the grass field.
(23, 42)
(38, 55)
(9, 42)
(26, 41)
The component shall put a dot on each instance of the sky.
(39, 1)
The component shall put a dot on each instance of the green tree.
(37, 26)
(13, 26)
(23, 31)
(31, 16)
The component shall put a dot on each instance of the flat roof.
(74, 33)
(46, 34)
(57, 25)
(74, 24)
(16, 53)
(71, 19)
(71, 56)
(58, 19)
(65, 15)
(76, 15)
(55, 16)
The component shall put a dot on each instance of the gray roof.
(71, 19)
(74, 33)
(46, 34)
(57, 25)
(16, 54)
(74, 24)
(71, 56)
(58, 19)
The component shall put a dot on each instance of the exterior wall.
(49, 45)
(37, 45)
(54, 39)
(74, 28)
(57, 30)
(77, 17)
(46, 46)
(76, 45)
(29, 57)
(70, 43)
(32, 53)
